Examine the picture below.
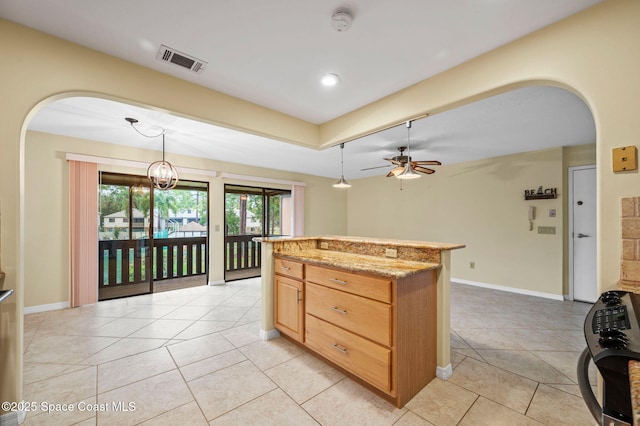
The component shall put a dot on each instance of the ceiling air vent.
(167, 54)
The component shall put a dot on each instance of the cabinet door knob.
(339, 310)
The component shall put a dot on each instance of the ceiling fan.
(399, 163)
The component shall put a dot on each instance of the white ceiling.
(273, 54)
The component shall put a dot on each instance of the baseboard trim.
(444, 373)
(218, 282)
(13, 418)
(45, 308)
(510, 289)
(270, 334)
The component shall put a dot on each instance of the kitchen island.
(376, 308)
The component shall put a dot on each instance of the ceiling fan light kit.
(408, 172)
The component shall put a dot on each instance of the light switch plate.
(625, 158)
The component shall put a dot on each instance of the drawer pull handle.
(337, 281)
(286, 268)
(339, 348)
(338, 310)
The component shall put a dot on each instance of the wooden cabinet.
(378, 329)
(289, 299)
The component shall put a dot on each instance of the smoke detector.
(341, 20)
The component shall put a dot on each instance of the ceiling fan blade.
(377, 167)
(392, 161)
(427, 163)
(424, 170)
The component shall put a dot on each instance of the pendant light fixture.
(408, 172)
(162, 174)
(342, 183)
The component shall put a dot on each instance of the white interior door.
(582, 210)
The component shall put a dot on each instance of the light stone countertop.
(368, 240)
(388, 267)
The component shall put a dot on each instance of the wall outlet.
(324, 245)
(547, 230)
(391, 252)
(472, 265)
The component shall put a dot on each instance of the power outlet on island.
(391, 252)
(324, 245)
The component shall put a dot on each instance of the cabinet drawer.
(366, 359)
(374, 288)
(366, 317)
(289, 268)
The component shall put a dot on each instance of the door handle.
(582, 236)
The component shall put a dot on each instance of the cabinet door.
(289, 307)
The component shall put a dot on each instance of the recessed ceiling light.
(330, 80)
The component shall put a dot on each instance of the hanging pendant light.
(342, 182)
(162, 174)
(408, 172)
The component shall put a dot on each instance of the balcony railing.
(123, 262)
(241, 253)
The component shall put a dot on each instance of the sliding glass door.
(143, 252)
(124, 249)
(252, 212)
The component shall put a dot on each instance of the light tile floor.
(193, 357)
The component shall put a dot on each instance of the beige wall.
(586, 53)
(480, 204)
(589, 53)
(47, 213)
